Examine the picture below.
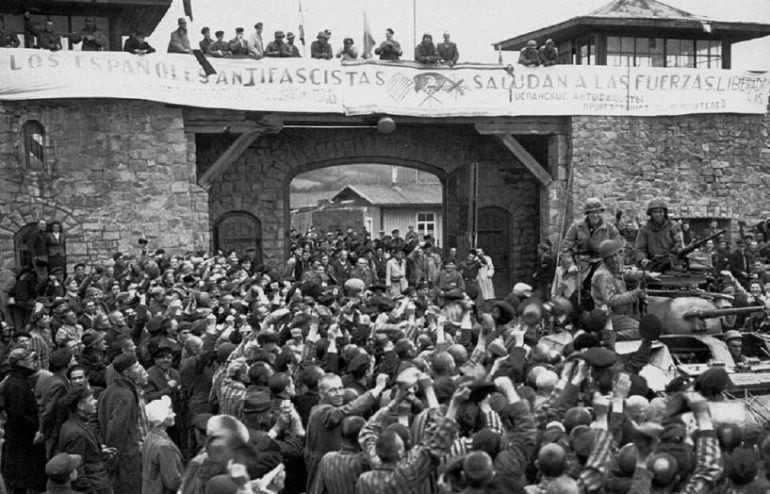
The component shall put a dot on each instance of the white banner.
(396, 88)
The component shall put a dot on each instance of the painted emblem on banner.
(430, 85)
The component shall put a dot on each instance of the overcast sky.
(474, 24)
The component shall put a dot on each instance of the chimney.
(393, 175)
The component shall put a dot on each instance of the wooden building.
(116, 18)
(378, 208)
(642, 33)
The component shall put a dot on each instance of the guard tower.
(642, 33)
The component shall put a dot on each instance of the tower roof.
(644, 18)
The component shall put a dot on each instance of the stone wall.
(114, 171)
(704, 166)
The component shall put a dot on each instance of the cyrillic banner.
(396, 88)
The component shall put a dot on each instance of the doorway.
(241, 232)
(494, 226)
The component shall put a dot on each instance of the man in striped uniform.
(339, 470)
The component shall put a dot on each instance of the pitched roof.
(393, 195)
(636, 9)
(640, 18)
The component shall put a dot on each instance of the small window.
(426, 224)
(33, 140)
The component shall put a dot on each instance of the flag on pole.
(188, 8)
(301, 24)
(368, 38)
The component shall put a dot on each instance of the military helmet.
(609, 248)
(593, 204)
(657, 204)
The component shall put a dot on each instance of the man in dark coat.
(120, 411)
(23, 461)
(78, 438)
(37, 245)
(55, 387)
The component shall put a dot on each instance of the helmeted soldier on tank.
(608, 289)
(580, 248)
(659, 239)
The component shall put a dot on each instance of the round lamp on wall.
(386, 125)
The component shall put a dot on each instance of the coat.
(57, 251)
(53, 414)
(162, 465)
(118, 413)
(23, 463)
(78, 438)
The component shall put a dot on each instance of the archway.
(241, 232)
(372, 197)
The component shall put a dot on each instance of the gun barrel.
(711, 314)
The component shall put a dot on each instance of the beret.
(599, 357)
(61, 465)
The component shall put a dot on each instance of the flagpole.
(302, 27)
(414, 23)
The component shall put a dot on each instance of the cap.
(238, 29)
(522, 290)
(227, 426)
(158, 410)
(62, 465)
(161, 352)
(59, 359)
(599, 357)
(733, 335)
(359, 362)
(91, 337)
(256, 401)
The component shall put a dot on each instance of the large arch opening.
(335, 198)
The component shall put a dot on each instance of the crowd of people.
(358, 366)
(45, 36)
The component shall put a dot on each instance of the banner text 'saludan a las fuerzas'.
(396, 88)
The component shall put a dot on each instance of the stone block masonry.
(114, 171)
(703, 166)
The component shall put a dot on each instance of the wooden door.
(239, 231)
(493, 236)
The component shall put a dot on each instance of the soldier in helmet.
(580, 249)
(608, 288)
(659, 238)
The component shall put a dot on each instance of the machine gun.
(658, 263)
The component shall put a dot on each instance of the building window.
(634, 52)
(368, 224)
(33, 141)
(680, 53)
(709, 54)
(586, 51)
(426, 224)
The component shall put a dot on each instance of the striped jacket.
(338, 471)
